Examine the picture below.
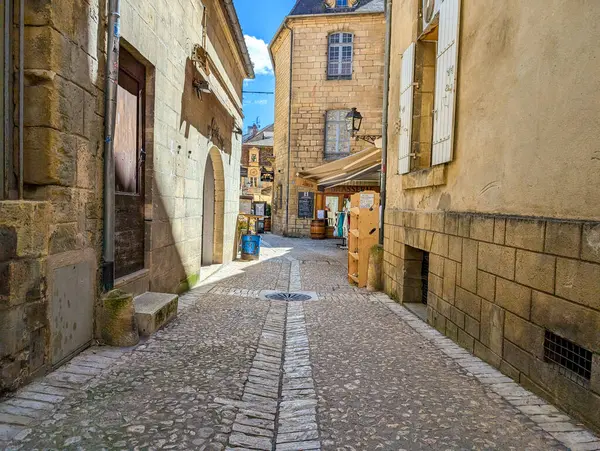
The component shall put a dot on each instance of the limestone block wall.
(313, 95)
(161, 35)
(498, 283)
(58, 224)
(24, 330)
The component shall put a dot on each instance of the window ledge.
(424, 178)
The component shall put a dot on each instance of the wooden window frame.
(339, 47)
(134, 70)
(341, 126)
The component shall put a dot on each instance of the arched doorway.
(213, 212)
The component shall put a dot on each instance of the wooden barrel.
(267, 224)
(330, 232)
(317, 229)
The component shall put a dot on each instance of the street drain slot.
(289, 297)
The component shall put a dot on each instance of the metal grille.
(289, 297)
(571, 360)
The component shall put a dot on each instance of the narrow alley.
(344, 370)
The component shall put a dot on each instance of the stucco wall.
(527, 111)
(313, 95)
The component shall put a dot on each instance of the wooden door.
(129, 167)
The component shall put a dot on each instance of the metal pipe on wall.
(384, 128)
(287, 202)
(110, 107)
(21, 91)
(6, 93)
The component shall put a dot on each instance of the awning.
(364, 165)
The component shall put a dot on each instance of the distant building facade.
(177, 154)
(328, 58)
(257, 164)
(493, 207)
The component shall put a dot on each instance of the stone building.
(493, 207)
(328, 59)
(177, 149)
(257, 164)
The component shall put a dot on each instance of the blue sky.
(260, 20)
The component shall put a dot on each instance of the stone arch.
(214, 162)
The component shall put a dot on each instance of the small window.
(341, 3)
(339, 65)
(337, 136)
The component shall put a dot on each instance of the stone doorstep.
(154, 310)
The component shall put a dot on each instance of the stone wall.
(313, 95)
(161, 35)
(24, 331)
(51, 241)
(58, 224)
(497, 283)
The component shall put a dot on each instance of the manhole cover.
(290, 297)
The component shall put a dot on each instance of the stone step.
(154, 310)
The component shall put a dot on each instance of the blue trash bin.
(250, 247)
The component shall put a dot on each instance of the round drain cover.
(290, 297)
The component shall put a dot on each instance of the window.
(337, 137)
(339, 65)
(341, 3)
(426, 135)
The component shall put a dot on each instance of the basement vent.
(289, 297)
(571, 360)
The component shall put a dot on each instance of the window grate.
(571, 360)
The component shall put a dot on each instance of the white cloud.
(261, 102)
(259, 54)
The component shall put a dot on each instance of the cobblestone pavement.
(350, 370)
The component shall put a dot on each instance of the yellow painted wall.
(528, 110)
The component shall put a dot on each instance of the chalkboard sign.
(306, 205)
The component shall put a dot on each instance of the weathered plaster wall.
(313, 95)
(527, 111)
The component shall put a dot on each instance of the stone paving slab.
(349, 371)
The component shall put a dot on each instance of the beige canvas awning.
(361, 165)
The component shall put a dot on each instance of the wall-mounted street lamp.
(353, 121)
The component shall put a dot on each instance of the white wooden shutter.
(446, 82)
(406, 108)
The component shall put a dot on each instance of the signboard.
(246, 206)
(367, 200)
(306, 205)
(260, 208)
(306, 183)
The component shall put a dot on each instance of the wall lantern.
(353, 121)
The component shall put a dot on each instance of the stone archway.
(213, 219)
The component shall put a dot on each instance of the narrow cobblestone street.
(347, 370)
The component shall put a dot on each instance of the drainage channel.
(278, 410)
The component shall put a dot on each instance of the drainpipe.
(384, 128)
(110, 107)
(8, 128)
(21, 89)
(287, 203)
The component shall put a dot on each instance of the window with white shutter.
(407, 77)
(337, 136)
(339, 61)
(446, 82)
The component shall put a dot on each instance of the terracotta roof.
(303, 7)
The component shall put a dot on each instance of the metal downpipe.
(287, 202)
(110, 104)
(21, 92)
(384, 128)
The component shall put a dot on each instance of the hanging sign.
(306, 205)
